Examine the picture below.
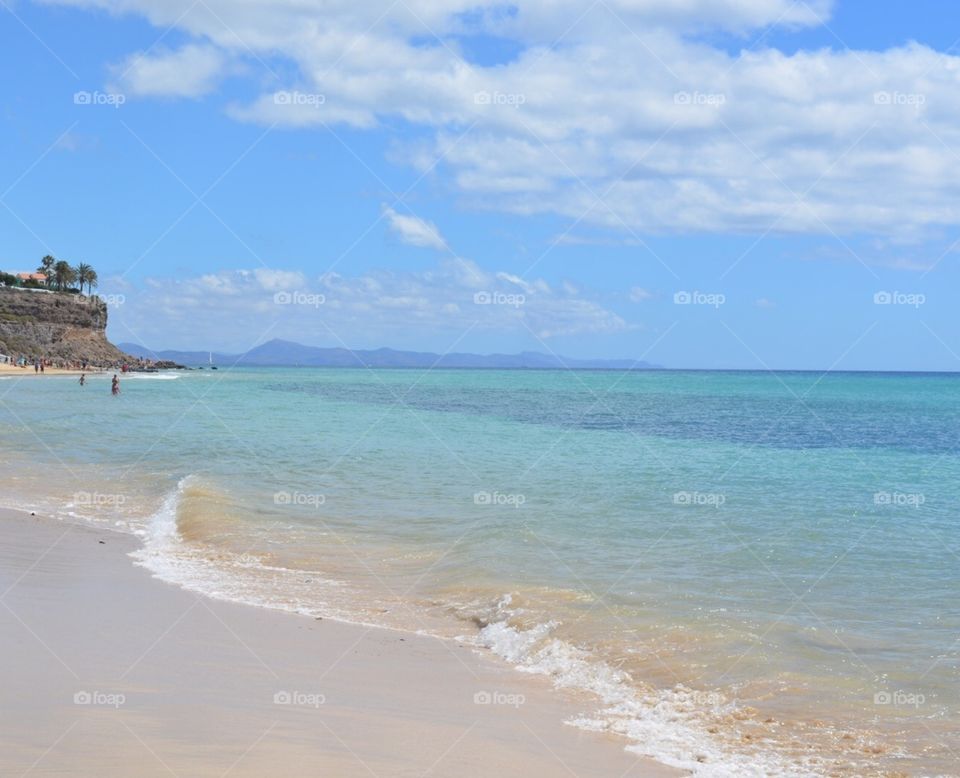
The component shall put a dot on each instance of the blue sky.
(790, 163)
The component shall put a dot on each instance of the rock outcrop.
(57, 327)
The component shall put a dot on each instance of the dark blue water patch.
(784, 420)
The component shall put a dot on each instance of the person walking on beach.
(36, 366)
(115, 385)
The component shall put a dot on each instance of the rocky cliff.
(58, 327)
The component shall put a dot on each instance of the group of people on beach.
(40, 363)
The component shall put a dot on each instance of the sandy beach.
(14, 370)
(107, 671)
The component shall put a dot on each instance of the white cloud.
(279, 280)
(191, 71)
(237, 307)
(632, 122)
(763, 302)
(414, 230)
(638, 294)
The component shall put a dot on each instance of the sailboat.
(210, 361)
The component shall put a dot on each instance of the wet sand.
(108, 672)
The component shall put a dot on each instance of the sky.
(748, 184)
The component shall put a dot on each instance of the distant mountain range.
(284, 353)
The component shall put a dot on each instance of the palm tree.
(46, 267)
(92, 280)
(63, 275)
(82, 272)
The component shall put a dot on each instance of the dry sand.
(168, 683)
(7, 369)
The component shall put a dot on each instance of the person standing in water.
(115, 385)
(83, 379)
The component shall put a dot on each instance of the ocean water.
(740, 573)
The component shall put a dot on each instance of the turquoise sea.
(741, 573)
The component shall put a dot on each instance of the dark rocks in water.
(156, 367)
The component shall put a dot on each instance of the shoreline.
(187, 684)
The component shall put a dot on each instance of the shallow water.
(749, 573)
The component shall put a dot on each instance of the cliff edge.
(55, 326)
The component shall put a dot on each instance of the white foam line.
(662, 725)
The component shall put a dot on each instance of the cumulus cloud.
(455, 296)
(413, 230)
(621, 115)
(191, 71)
(638, 294)
(279, 280)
